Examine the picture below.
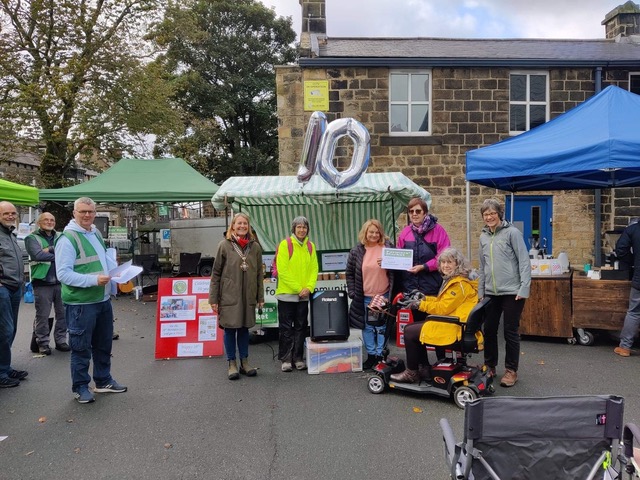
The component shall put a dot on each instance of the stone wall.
(470, 109)
(19, 173)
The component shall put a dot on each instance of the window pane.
(538, 85)
(517, 118)
(399, 88)
(634, 84)
(399, 118)
(537, 115)
(419, 118)
(518, 86)
(419, 88)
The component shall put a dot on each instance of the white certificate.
(397, 258)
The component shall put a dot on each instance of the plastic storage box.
(334, 357)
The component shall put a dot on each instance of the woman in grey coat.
(505, 277)
(236, 290)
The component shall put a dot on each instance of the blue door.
(533, 215)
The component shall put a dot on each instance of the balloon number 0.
(319, 146)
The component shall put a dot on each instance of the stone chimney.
(623, 21)
(314, 25)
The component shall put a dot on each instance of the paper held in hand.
(125, 272)
(397, 259)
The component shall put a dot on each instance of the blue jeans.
(239, 336)
(90, 336)
(373, 337)
(9, 306)
(632, 320)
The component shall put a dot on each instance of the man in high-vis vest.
(46, 287)
(82, 266)
(11, 280)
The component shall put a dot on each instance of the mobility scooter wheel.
(463, 395)
(376, 384)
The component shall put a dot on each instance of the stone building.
(427, 101)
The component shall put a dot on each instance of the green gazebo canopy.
(136, 180)
(18, 194)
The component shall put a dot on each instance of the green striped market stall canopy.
(335, 215)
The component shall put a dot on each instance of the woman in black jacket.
(365, 280)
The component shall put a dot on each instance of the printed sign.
(185, 323)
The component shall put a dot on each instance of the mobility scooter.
(451, 376)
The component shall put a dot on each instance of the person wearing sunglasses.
(427, 238)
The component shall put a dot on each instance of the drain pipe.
(598, 194)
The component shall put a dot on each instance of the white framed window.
(528, 100)
(634, 82)
(410, 102)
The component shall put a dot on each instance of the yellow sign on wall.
(316, 95)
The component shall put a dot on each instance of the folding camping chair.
(572, 437)
(151, 267)
(630, 458)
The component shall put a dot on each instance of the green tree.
(75, 80)
(222, 53)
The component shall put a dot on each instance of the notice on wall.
(316, 95)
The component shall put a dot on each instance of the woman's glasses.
(416, 211)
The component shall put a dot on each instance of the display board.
(186, 326)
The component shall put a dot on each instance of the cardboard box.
(556, 267)
(334, 357)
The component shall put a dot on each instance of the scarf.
(425, 226)
(241, 241)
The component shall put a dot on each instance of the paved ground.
(182, 419)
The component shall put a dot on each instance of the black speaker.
(329, 315)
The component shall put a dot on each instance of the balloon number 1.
(319, 146)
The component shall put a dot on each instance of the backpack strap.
(290, 246)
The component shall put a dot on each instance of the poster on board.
(186, 326)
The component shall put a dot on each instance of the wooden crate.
(600, 304)
(547, 311)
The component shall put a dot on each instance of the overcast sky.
(459, 18)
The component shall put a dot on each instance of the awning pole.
(468, 221)
(512, 207)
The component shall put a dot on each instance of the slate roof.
(475, 52)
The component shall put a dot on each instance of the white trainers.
(287, 367)
(301, 365)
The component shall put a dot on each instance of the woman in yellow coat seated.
(457, 296)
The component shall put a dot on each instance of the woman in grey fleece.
(505, 277)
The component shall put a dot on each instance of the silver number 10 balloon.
(315, 130)
(318, 151)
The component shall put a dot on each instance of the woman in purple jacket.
(427, 239)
